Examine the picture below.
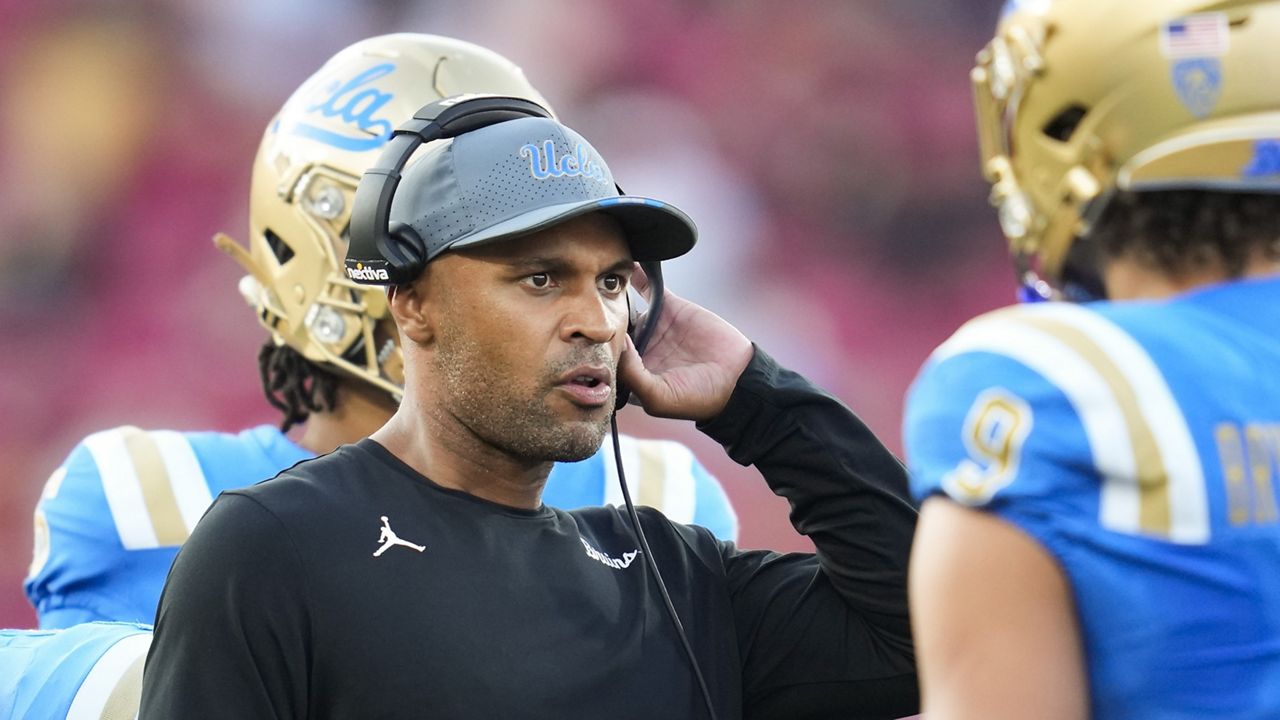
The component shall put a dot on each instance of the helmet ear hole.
(1064, 124)
(279, 248)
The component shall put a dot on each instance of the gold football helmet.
(304, 180)
(1078, 99)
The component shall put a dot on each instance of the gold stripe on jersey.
(1260, 441)
(651, 487)
(1231, 453)
(126, 697)
(113, 687)
(157, 492)
(1150, 472)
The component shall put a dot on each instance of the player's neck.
(359, 410)
(451, 455)
(1127, 279)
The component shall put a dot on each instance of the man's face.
(529, 335)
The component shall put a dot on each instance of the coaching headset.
(384, 253)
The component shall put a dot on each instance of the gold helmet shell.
(304, 180)
(1078, 99)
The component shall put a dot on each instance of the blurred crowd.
(825, 148)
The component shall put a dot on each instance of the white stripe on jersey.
(1002, 333)
(185, 476)
(1103, 421)
(1188, 504)
(679, 493)
(123, 491)
(613, 493)
(104, 678)
(653, 467)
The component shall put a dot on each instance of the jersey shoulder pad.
(666, 475)
(153, 482)
(119, 491)
(1048, 400)
(659, 474)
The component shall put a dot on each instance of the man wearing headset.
(417, 573)
(113, 515)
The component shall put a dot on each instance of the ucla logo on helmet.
(354, 102)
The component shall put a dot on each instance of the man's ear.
(413, 310)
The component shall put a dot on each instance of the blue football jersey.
(112, 517)
(87, 672)
(1137, 443)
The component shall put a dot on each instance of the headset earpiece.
(642, 334)
(404, 249)
(623, 392)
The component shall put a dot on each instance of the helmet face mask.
(305, 176)
(1076, 100)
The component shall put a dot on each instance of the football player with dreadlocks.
(113, 516)
(1100, 535)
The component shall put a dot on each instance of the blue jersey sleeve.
(112, 517)
(983, 429)
(90, 670)
(1056, 412)
(986, 431)
(109, 524)
(79, 572)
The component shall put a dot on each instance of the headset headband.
(379, 254)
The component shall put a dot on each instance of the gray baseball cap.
(521, 176)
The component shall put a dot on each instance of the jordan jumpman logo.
(389, 538)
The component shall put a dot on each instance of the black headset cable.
(657, 577)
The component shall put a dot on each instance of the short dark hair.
(1182, 231)
(294, 385)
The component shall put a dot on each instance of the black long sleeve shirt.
(351, 586)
